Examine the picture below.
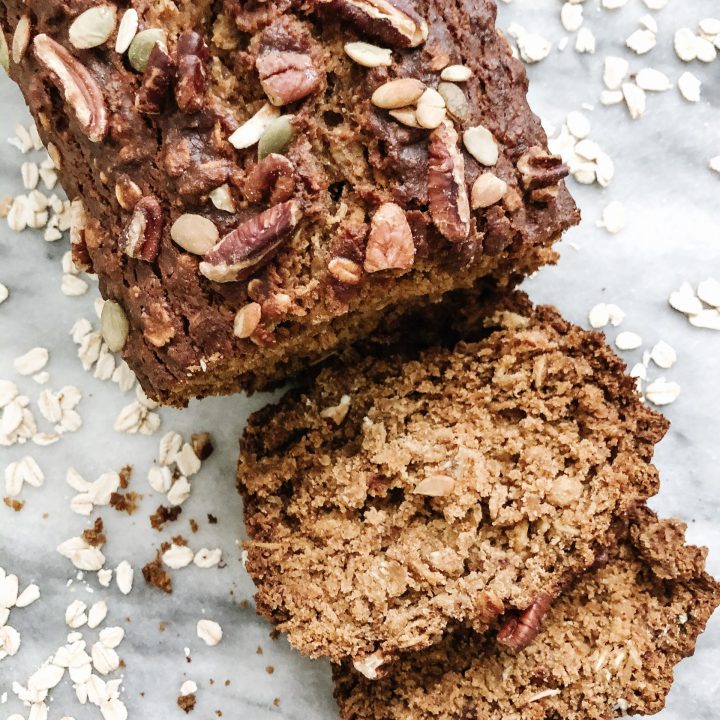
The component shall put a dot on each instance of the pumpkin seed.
(93, 27)
(114, 326)
(277, 137)
(142, 45)
(455, 100)
(195, 233)
(127, 31)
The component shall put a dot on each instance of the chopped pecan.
(287, 76)
(159, 75)
(540, 173)
(79, 88)
(127, 192)
(519, 632)
(192, 54)
(272, 179)
(252, 244)
(391, 245)
(447, 193)
(383, 20)
(143, 234)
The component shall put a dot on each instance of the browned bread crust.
(310, 255)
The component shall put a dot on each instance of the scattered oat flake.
(616, 69)
(663, 355)
(635, 99)
(628, 341)
(209, 632)
(653, 80)
(662, 392)
(613, 217)
(709, 292)
(32, 361)
(706, 319)
(642, 41)
(690, 87)
(532, 47)
(178, 556)
(685, 301)
(205, 558)
(188, 688)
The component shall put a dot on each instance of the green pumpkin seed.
(142, 45)
(455, 100)
(277, 138)
(4, 55)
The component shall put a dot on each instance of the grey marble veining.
(672, 235)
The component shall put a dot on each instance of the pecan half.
(273, 179)
(143, 234)
(540, 173)
(159, 75)
(287, 76)
(447, 193)
(518, 633)
(391, 245)
(79, 88)
(252, 244)
(383, 20)
(192, 54)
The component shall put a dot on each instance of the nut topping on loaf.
(291, 128)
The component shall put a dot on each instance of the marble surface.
(672, 235)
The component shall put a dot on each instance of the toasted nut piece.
(222, 199)
(114, 326)
(455, 101)
(21, 39)
(78, 246)
(194, 233)
(252, 244)
(287, 77)
(456, 73)
(518, 633)
(78, 86)
(391, 245)
(337, 413)
(93, 27)
(447, 193)
(127, 30)
(406, 116)
(487, 190)
(277, 137)
(384, 21)
(143, 234)
(246, 320)
(430, 111)
(127, 193)
(142, 45)
(398, 93)
(345, 270)
(158, 77)
(252, 130)
(481, 144)
(541, 171)
(435, 486)
(368, 55)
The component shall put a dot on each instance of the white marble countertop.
(672, 235)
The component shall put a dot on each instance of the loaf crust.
(305, 254)
(608, 647)
(397, 498)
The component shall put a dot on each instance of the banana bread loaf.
(259, 183)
